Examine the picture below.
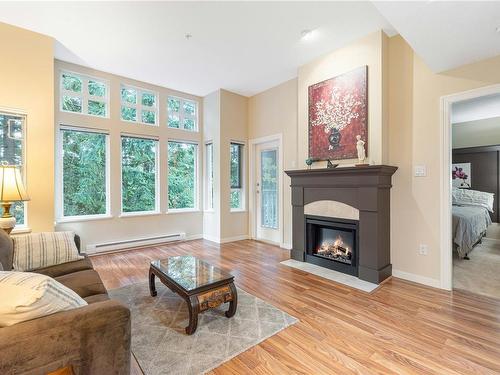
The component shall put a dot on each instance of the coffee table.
(200, 284)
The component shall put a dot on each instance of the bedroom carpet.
(480, 274)
(161, 346)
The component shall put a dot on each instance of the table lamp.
(11, 190)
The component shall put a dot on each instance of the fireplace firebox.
(332, 243)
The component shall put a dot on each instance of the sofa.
(93, 339)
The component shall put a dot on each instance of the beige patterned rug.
(161, 346)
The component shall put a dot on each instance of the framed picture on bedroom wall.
(338, 112)
(460, 175)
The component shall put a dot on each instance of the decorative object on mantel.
(329, 164)
(360, 146)
(11, 190)
(338, 111)
(309, 162)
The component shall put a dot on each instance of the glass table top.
(190, 272)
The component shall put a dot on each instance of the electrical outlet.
(423, 249)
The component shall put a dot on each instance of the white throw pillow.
(25, 296)
(45, 249)
(469, 197)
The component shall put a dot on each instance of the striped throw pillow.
(25, 296)
(44, 249)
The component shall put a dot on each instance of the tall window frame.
(209, 179)
(60, 217)
(20, 116)
(156, 209)
(196, 180)
(236, 179)
(138, 105)
(84, 94)
(182, 115)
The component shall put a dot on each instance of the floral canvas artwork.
(338, 112)
(460, 175)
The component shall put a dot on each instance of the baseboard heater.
(136, 242)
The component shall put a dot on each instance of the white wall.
(483, 132)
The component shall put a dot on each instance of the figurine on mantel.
(360, 146)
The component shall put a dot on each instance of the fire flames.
(335, 249)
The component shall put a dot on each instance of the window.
(182, 114)
(12, 152)
(84, 173)
(236, 161)
(182, 175)
(138, 105)
(83, 94)
(139, 174)
(209, 158)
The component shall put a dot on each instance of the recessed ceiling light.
(306, 34)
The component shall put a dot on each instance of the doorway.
(266, 181)
(469, 250)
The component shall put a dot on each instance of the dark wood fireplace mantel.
(365, 188)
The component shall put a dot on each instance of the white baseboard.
(287, 246)
(194, 237)
(417, 278)
(225, 240)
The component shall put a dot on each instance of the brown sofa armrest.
(94, 339)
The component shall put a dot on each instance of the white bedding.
(469, 225)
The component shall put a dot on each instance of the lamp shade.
(11, 185)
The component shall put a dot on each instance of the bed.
(469, 227)
(471, 217)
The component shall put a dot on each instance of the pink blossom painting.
(338, 112)
(460, 175)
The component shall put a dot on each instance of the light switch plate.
(420, 171)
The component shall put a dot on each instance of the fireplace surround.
(366, 191)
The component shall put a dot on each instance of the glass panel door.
(269, 188)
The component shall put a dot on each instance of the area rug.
(161, 346)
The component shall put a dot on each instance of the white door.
(267, 192)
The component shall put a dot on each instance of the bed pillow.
(468, 197)
(25, 296)
(45, 249)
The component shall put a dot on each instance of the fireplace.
(332, 243)
(360, 197)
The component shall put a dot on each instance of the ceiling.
(447, 34)
(475, 109)
(247, 47)
(243, 47)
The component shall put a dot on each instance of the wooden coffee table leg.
(194, 309)
(152, 286)
(234, 302)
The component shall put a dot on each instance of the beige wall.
(226, 121)
(414, 129)
(233, 127)
(27, 85)
(370, 50)
(275, 112)
(132, 227)
(484, 132)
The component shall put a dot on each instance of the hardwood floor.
(401, 328)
